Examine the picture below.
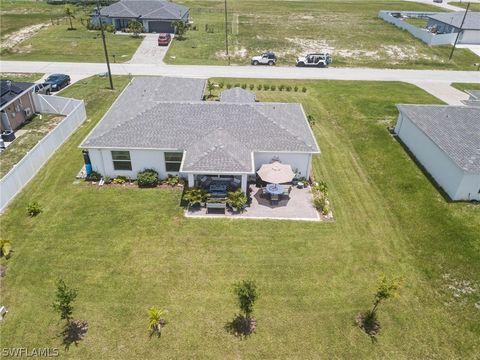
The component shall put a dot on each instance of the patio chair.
(274, 199)
(235, 183)
(263, 192)
(286, 191)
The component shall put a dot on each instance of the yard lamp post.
(459, 31)
(104, 45)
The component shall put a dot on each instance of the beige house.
(17, 104)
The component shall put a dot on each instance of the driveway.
(149, 52)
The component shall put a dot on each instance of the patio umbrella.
(276, 173)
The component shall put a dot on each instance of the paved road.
(445, 4)
(437, 81)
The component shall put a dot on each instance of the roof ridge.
(126, 8)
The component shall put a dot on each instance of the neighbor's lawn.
(21, 76)
(466, 86)
(35, 129)
(128, 249)
(350, 30)
(57, 43)
(18, 14)
(473, 6)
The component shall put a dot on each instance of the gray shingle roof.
(145, 9)
(454, 129)
(472, 21)
(474, 94)
(11, 89)
(215, 136)
(237, 95)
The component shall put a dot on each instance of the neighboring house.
(155, 15)
(446, 141)
(162, 123)
(451, 22)
(474, 99)
(17, 104)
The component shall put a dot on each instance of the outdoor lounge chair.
(235, 183)
(286, 191)
(274, 199)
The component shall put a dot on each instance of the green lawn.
(350, 30)
(18, 14)
(21, 76)
(57, 43)
(128, 249)
(36, 129)
(473, 6)
(466, 86)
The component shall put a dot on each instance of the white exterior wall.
(300, 161)
(102, 162)
(446, 173)
(469, 37)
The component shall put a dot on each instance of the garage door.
(160, 27)
(470, 37)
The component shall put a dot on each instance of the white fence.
(422, 34)
(14, 181)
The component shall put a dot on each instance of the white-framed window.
(121, 160)
(173, 160)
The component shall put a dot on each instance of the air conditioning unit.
(28, 112)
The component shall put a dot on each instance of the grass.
(21, 76)
(18, 14)
(473, 6)
(58, 43)
(128, 249)
(36, 129)
(351, 31)
(466, 86)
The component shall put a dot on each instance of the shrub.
(119, 180)
(107, 179)
(195, 196)
(5, 248)
(221, 85)
(319, 202)
(295, 88)
(311, 119)
(281, 87)
(147, 178)
(244, 86)
(273, 87)
(266, 87)
(229, 86)
(237, 199)
(109, 28)
(156, 320)
(64, 299)
(259, 87)
(247, 294)
(172, 180)
(288, 88)
(33, 208)
(304, 89)
(322, 187)
(251, 86)
(93, 176)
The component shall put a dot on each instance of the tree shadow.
(73, 333)
(158, 329)
(241, 326)
(369, 323)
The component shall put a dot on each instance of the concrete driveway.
(149, 52)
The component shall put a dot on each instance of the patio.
(297, 207)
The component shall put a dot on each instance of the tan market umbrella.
(276, 173)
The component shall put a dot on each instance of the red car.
(164, 39)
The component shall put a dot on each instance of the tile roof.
(11, 89)
(215, 136)
(454, 129)
(472, 21)
(237, 95)
(145, 9)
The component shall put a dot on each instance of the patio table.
(274, 189)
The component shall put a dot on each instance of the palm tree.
(69, 11)
(156, 320)
(210, 87)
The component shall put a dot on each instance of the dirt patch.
(237, 53)
(21, 35)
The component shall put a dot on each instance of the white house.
(446, 141)
(162, 123)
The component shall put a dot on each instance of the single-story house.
(446, 141)
(451, 22)
(162, 123)
(156, 16)
(17, 104)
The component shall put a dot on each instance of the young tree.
(156, 320)
(69, 11)
(210, 87)
(63, 300)
(247, 294)
(135, 27)
(180, 28)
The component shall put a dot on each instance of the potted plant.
(237, 200)
(195, 196)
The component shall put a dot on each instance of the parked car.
(438, 1)
(164, 39)
(57, 81)
(42, 89)
(267, 58)
(318, 60)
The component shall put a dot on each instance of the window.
(173, 161)
(121, 160)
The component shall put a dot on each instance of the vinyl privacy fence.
(74, 110)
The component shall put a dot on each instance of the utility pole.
(460, 30)
(226, 33)
(104, 45)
